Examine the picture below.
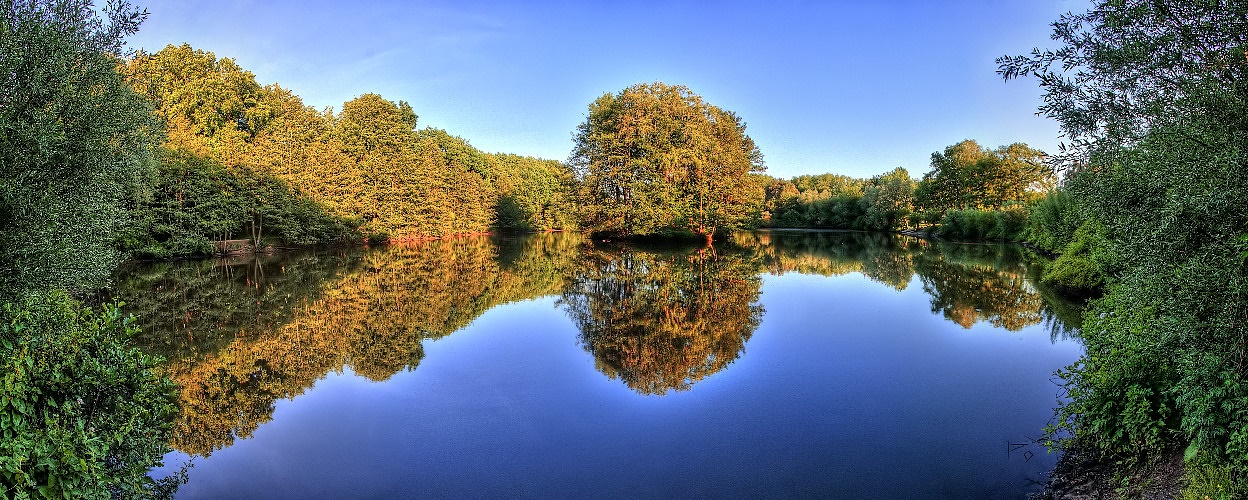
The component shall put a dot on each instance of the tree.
(75, 142)
(83, 415)
(887, 200)
(1153, 97)
(209, 106)
(969, 176)
(656, 159)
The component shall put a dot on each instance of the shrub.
(973, 225)
(1008, 224)
(81, 414)
(1077, 271)
(1052, 221)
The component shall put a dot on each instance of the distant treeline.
(245, 161)
(970, 193)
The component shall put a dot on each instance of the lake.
(775, 364)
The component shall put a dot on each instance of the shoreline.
(1080, 475)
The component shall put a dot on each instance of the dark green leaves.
(81, 415)
(75, 141)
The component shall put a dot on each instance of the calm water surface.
(779, 364)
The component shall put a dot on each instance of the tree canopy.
(657, 159)
(1153, 97)
(75, 143)
(967, 175)
(367, 165)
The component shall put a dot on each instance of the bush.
(81, 414)
(1117, 401)
(1008, 224)
(974, 225)
(1077, 272)
(1052, 221)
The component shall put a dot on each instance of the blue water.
(847, 388)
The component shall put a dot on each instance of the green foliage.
(210, 106)
(882, 203)
(968, 176)
(965, 177)
(1078, 271)
(75, 142)
(1052, 221)
(887, 201)
(1119, 400)
(195, 201)
(1154, 97)
(81, 414)
(656, 159)
(1213, 481)
(398, 183)
(977, 225)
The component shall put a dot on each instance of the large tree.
(81, 414)
(1153, 98)
(75, 141)
(657, 159)
(967, 175)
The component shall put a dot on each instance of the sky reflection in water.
(779, 364)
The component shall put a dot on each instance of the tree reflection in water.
(967, 283)
(367, 310)
(662, 320)
(238, 336)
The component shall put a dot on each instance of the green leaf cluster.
(81, 415)
(1153, 96)
(75, 143)
(1080, 269)
(656, 159)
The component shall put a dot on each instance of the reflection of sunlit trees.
(878, 256)
(662, 321)
(967, 283)
(372, 318)
(800, 252)
(973, 283)
(187, 308)
(889, 259)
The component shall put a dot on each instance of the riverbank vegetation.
(82, 414)
(971, 193)
(1153, 98)
(108, 155)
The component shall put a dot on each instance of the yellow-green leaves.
(656, 159)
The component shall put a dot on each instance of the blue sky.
(856, 88)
